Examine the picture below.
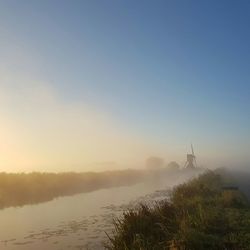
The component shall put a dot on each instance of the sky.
(90, 85)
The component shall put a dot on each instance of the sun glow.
(38, 130)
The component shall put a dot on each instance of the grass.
(20, 188)
(199, 215)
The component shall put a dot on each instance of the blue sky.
(170, 72)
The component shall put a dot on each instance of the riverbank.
(204, 213)
(18, 189)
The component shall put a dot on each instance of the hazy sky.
(83, 83)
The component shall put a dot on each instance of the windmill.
(191, 160)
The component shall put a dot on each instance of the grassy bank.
(200, 214)
(21, 189)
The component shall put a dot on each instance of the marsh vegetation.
(20, 189)
(200, 214)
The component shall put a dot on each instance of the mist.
(40, 132)
(124, 125)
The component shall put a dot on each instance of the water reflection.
(77, 222)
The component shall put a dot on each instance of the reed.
(199, 215)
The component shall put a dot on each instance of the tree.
(173, 166)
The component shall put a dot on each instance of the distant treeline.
(20, 188)
(208, 212)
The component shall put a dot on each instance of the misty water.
(73, 222)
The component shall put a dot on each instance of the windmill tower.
(191, 160)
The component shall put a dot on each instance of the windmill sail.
(193, 155)
(192, 149)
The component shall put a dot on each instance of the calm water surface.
(75, 222)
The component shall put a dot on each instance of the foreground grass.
(200, 214)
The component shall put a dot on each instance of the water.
(75, 222)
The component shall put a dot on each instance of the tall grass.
(199, 215)
(21, 189)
